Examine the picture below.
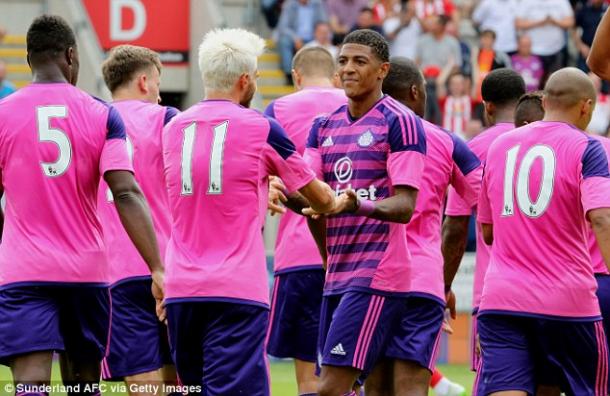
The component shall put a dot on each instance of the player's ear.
(143, 83)
(384, 69)
(69, 54)
(296, 78)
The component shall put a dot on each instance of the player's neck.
(559, 116)
(218, 95)
(504, 115)
(48, 74)
(315, 82)
(358, 108)
(127, 95)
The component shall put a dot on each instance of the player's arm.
(599, 56)
(594, 190)
(600, 221)
(484, 216)
(317, 227)
(282, 160)
(131, 206)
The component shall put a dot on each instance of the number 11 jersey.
(217, 157)
(539, 183)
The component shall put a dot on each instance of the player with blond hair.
(218, 155)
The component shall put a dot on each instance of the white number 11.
(216, 158)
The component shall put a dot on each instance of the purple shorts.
(295, 314)
(138, 341)
(69, 317)
(219, 346)
(517, 351)
(474, 358)
(355, 328)
(418, 336)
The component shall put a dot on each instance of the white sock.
(442, 388)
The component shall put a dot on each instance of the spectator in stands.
(588, 17)
(601, 115)
(436, 49)
(343, 15)
(367, 21)
(323, 37)
(271, 11)
(2, 33)
(296, 28)
(428, 8)
(6, 87)
(458, 108)
(499, 16)
(385, 9)
(403, 31)
(546, 22)
(452, 29)
(487, 59)
(528, 64)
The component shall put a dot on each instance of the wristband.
(365, 207)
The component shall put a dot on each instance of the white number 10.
(527, 207)
(216, 158)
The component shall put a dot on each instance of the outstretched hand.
(346, 202)
(276, 196)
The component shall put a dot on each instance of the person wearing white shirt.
(499, 16)
(323, 37)
(546, 22)
(403, 31)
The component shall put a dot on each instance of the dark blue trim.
(314, 133)
(170, 112)
(601, 275)
(131, 279)
(367, 290)
(115, 125)
(475, 311)
(427, 296)
(300, 268)
(279, 140)
(48, 283)
(270, 111)
(539, 316)
(463, 157)
(230, 300)
(594, 160)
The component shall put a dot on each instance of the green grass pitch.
(282, 378)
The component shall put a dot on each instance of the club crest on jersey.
(328, 142)
(366, 139)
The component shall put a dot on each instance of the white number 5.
(53, 135)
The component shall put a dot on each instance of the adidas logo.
(338, 350)
(327, 142)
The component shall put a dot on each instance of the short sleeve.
(466, 172)
(270, 110)
(314, 134)
(407, 141)
(170, 113)
(484, 215)
(595, 184)
(114, 153)
(282, 159)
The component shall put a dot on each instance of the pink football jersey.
(457, 207)
(539, 182)
(599, 265)
(218, 156)
(144, 123)
(449, 161)
(384, 148)
(295, 248)
(55, 143)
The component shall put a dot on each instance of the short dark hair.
(370, 38)
(49, 34)
(366, 9)
(529, 109)
(502, 87)
(403, 74)
(489, 32)
(124, 61)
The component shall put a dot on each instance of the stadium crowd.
(456, 43)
